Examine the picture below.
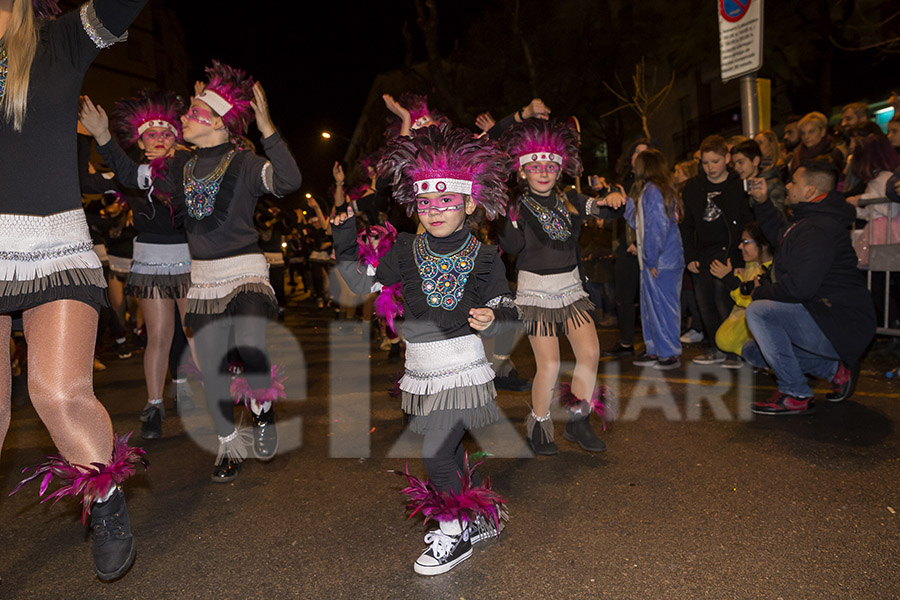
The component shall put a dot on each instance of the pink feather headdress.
(45, 8)
(444, 159)
(131, 117)
(229, 92)
(542, 140)
(419, 114)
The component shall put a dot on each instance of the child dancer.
(47, 267)
(161, 266)
(453, 286)
(230, 292)
(543, 230)
(653, 210)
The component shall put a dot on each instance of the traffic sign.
(740, 37)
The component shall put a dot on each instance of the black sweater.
(719, 239)
(229, 230)
(815, 265)
(423, 323)
(38, 171)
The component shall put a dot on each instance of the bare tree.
(643, 100)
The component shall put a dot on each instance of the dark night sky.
(317, 69)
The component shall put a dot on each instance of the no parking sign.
(740, 37)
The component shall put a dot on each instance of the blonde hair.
(21, 40)
(816, 118)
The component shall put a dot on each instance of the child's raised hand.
(337, 171)
(480, 318)
(95, 120)
(340, 219)
(199, 86)
(485, 121)
(260, 107)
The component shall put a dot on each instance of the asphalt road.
(693, 499)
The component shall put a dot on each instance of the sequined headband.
(441, 185)
(216, 102)
(157, 123)
(540, 156)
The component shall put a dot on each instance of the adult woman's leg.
(5, 376)
(60, 337)
(538, 425)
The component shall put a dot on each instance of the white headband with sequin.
(156, 123)
(540, 156)
(216, 102)
(441, 185)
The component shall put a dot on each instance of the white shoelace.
(441, 543)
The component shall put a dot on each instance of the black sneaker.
(484, 529)
(444, 553)
(113, 548)
(843, 383)
(619, 351)
(151, 423)
(226, 470)
(579, 430)
(512, 383)
(667, 364)
(645, 360)
(265, 436)
(123, 349)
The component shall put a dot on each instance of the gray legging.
(247, 334)
(443, 454)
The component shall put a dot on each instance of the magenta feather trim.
(444, 151)
(237, 87)
(190, 368)
(417, 105)
(369, 252)
(389, 304)
(603, 402)
(91, 483)
(129, 114)
(45, 8)
(442, 507)
(540, 135)
(241, 390)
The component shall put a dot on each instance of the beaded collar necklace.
(556, 222)
(4, 61)
(444, 276)
(200, 194)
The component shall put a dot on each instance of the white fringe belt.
(436, 366)
(549, 291)
(161, 259)
(32, 247)
(119, 264)
(212, 280)
(276, 259)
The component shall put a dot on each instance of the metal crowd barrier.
(882, 258)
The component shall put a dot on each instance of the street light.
(326, 135)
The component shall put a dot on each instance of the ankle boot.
(113, 543)
(579, 430)
(540, 435)
(265, 435)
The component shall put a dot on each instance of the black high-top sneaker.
(579, 430)
(113, 543)
(448, 546)
(265, 435)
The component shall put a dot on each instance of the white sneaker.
(732, 363)
(710, 357)
(445, 551)
(691, 336)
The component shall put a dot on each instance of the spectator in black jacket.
(815, 316)
(715, 213)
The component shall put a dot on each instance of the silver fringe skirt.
(446, 382)
(551, 304)
(160, 271)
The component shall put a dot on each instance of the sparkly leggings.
(61, 337)
(247, 334)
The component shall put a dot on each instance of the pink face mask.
(154, 135)
(199, 115)
(440, 204)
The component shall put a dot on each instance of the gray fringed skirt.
(159, 271)
(446, 382)
(550, 304)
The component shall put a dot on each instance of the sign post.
(740, 53)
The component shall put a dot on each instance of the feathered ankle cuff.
(91, 483)
(389, 304)
(602, 402)
(241, 390)
(465, 507)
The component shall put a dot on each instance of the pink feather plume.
(241, 390)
